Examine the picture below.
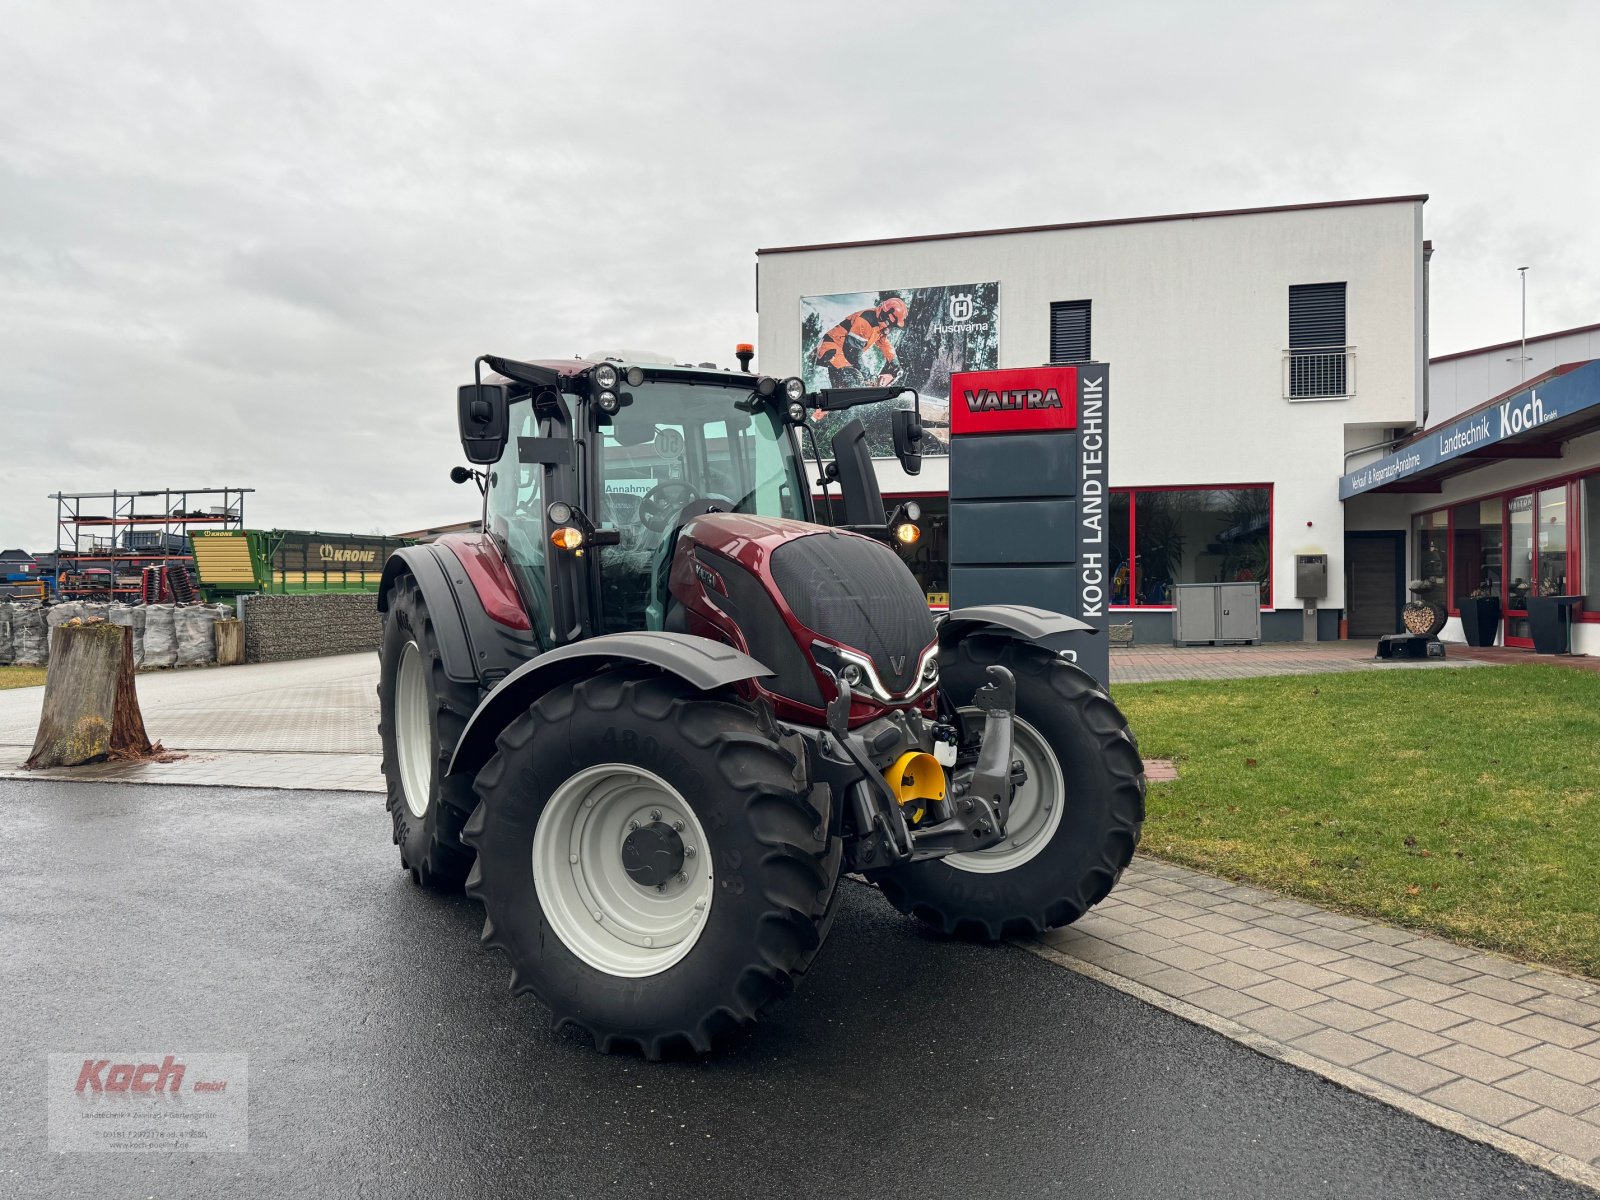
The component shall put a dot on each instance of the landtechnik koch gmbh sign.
(1529, 410)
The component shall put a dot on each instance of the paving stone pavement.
(1157, 663)
(311, 723)
(1514, 1047)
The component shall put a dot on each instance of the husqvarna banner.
(915, 337)
(1029, 496)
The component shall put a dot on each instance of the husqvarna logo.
(961, 306)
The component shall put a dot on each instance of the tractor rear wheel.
(1074, 823)
(421, 713)
(649, 861)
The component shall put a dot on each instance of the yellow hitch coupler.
(916, 779)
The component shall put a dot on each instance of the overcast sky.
(259, 244)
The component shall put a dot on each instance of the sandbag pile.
(164, 635)
(30, 636)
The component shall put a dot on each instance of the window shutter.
(1316, 315)
(1069, 331)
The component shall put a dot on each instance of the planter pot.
(1480, 620)
(1550, 622)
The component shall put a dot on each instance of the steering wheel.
(662, 503)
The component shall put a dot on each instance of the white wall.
(1193, 317)
(1462, 383)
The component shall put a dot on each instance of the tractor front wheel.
(1074, 823)
(650, 861)
(421, 713)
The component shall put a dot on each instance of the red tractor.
(654, 711)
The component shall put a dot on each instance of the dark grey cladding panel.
(1053, 588)
(1003, 532)
(997, 465)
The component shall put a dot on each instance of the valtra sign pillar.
(1030, 496)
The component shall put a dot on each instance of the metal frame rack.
(100, 531)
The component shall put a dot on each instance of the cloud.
(260, 243)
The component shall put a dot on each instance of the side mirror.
(484, 413)
(907, 428)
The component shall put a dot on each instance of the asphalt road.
(387, 1057)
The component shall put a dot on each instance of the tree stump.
(91, 710)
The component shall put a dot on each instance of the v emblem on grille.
(898, 662)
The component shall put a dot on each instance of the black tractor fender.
(472, 646)
(1048, 629)
(702, 662)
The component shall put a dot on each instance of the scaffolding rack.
(104, 540)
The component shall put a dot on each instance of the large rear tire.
(650, 862)
(1074, 824)
(421, 714)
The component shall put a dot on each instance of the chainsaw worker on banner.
(843, 349)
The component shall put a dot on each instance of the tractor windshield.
(680, 444)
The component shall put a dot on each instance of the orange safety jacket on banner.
(860, 331)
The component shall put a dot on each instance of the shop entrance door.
(1519, 573)
(1375, 561)
(1536, 556)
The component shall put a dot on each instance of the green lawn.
(15, 677)
(1464, 802)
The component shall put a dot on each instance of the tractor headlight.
(930, 673)
(607, 402)
(797, 413)
(605, 377)
(852, 674)
(794, 389)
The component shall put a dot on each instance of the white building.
(1250, 350)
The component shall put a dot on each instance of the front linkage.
(891, 774)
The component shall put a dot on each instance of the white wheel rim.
(413, 730)
(603, 915)
(1035, 808)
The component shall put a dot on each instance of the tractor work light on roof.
(766, 386)
(559, 513)
(607, 401)
(605, 377)
(794, 389)
(797, 412)
(633, 376)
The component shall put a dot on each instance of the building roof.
(1515, 342)
(1189, 216)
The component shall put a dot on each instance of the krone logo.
(961, 306)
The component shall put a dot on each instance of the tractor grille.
(860, 594)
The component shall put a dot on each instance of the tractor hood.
(820, 585)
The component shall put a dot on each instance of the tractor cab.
(594, 468)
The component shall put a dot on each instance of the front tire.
(649, 861)
(1074, 824)
(421, 714)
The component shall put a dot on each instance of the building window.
(1430, 562)
(1069, 331)
(1552, 541)
(1192, 535)
(1476, 550)
(1318, 359)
